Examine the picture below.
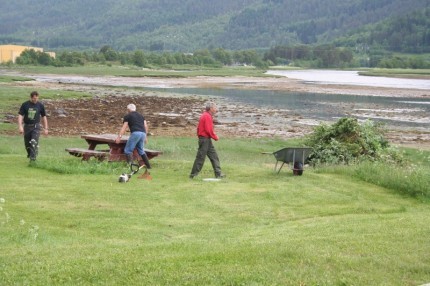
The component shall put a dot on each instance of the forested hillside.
(409, 33)
(188, 25)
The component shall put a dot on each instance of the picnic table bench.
(115, 152)
(86, 154)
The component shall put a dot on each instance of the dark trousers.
(31, 132)
(206, 148)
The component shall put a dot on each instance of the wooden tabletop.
(105, 138)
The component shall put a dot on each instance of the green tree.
(44, 59)
(203, 57)
(139, 59)
(179, 58)
(72, 58)
(27, 57)
(32, 57)
(222, 56)
(109, 53)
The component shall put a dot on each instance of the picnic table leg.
(116, 152)
(92, 145)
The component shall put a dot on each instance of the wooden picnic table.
(115, 152)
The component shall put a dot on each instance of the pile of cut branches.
(347, 141)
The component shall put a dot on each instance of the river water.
(352, 78)
(394, 111)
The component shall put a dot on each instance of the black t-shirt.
(32, 112)
(136, 121)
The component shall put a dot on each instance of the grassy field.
(63, 221)
(12, 97)
(133, 71)
(68, 222)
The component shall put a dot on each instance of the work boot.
(129, 158)
(146, 161)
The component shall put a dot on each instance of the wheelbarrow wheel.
(298, 169)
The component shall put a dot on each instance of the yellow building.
(11, 52)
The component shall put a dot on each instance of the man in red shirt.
(205, 132)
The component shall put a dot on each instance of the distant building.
(11, 52)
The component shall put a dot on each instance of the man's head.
(211, 107)
(34, 96)
(131, 107)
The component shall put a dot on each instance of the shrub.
(347, 141)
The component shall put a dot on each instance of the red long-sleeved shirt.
(206, 126)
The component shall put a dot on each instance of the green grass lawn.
(63, 221)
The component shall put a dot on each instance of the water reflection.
(395, 111)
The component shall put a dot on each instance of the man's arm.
(121, 132)
(20, 127)
(45, 125)
(146, 130)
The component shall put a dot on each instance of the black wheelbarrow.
(296, 156)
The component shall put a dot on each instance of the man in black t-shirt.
(29, 116)
(138, 131)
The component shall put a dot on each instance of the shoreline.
(234, 119)
(234, 82)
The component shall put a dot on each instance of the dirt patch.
(165, 116)
(169, 116)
